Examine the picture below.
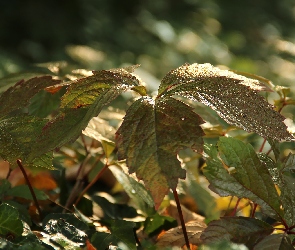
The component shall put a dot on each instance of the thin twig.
(254, 210)
(92, 183)
(19, 163)
(262, 145)
(181, 218)
(236, 207)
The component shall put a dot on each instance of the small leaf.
(23, 191)
(19, 135)
(156, 223)
(133, 188)
(275, 242)
(9, 221)
(241, 230)
(247, 177)
(19, 95)
(151, 135)
(174, 236)
(234, 97)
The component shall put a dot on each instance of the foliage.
(152, 149)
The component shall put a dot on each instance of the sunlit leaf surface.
(234, 97)
(151, 135)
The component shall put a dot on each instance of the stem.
(181, 218)
(253, 211)
(236, 207)
(19, 163)
(92, 183)
(262, 145)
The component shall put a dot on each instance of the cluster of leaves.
(41, 117)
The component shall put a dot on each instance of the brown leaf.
(174, 236)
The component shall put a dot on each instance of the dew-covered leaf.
(275, 242)
(10, 222)
(234, 97)
(19, 95)
(174, 236)
(151, 135)
(133, 188)
(246, 176)
(84, 100)
(241, 230)
(18, 135)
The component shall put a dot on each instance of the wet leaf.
(246, 178)
(174, 236)
(84, 100)
(151, 135)
(19, 135)
(241, 230)
(10, 222)
(275, 242)
(234, 97)
(19, 95)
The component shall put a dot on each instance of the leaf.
(83, 100)
(4, 187)
(19, 135)
(151, 135)
(156, 223)
(114, 211)
(134, 189)
(23, 191)
(223, 245)
(121, 232)
(234, 97)
(275, 242)
(286, 184)
(174, 236)
(241, 230)
(18, 96)
(246, 178)
(9, 221)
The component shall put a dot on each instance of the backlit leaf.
(19, 95)
(234, 97)
(241, 230)
(174, 236)
(9, 221)
(83, 100)
(246, 178)
(151, 135)
(18, 135)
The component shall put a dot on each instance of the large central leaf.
(234, 97)
(152, 133)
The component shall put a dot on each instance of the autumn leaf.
(152, 133)
(83, 100)
(234, 97)
(19, 95)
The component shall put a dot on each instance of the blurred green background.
(252, 36)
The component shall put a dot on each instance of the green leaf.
(155, 224)
(223, 245)
(114, 211)
(286, 185)
(19, 95)
(241, 230)
(85, 206)
(19, 135)
(134, 189)
(23, 191)
(151, 135)
(275, 242)
(246, 177)
(4, 187)
(83, 100)
(9, 221)
(234, 97)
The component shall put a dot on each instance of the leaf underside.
(152, 133)
(234, 97)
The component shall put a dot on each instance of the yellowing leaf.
(151, 135)
(234, 97)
